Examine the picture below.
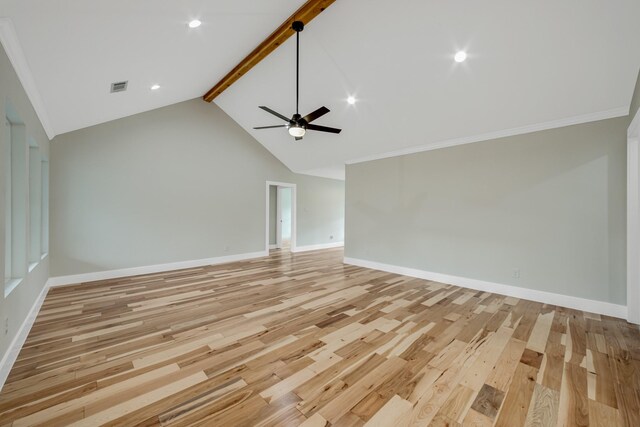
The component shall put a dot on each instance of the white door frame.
(293, 215)
(633, 220)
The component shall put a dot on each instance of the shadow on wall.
(80, 266)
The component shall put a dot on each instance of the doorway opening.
(281, 216)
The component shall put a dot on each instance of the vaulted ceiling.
(531, 65)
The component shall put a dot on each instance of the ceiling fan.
(298, 125)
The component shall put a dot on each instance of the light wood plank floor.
(305, 340)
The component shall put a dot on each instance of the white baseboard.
(150, 269)
(577, 303)
(14, 348)
(317, 247)
(273, 246)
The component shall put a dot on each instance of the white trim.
(150, 269)
(633, 220)
(294, 218)
(577, 303)
(14, 348)
(318, 247)
(273, 247)
(585, 118)
(9, 40)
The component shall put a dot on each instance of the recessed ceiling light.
(194, 24)
(155, 87)
(351, 100)
(460, 56)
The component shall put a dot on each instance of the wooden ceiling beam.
(306, 13)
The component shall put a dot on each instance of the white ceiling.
(531, 65)
(76, 48)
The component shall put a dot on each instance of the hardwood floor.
(305, 340)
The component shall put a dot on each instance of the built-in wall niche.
(35, 204)
(26, 201)
(15, 201)
(6, 151)
(44, 204)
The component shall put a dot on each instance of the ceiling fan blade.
(316, 114)
(269, 110)
(323, 128)
(270, 127)
(298, 138)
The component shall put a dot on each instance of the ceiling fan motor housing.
(297, 26)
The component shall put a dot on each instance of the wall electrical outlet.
(226, 248)
(331, 237)
(6, 325)
(516, 273)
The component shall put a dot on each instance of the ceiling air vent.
(119, 86)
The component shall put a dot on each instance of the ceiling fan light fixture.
(297, 131)
(195, 23)
(298, 125)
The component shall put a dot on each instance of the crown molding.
(554, 124)
(9, 40)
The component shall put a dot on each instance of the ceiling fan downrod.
(297, 26)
